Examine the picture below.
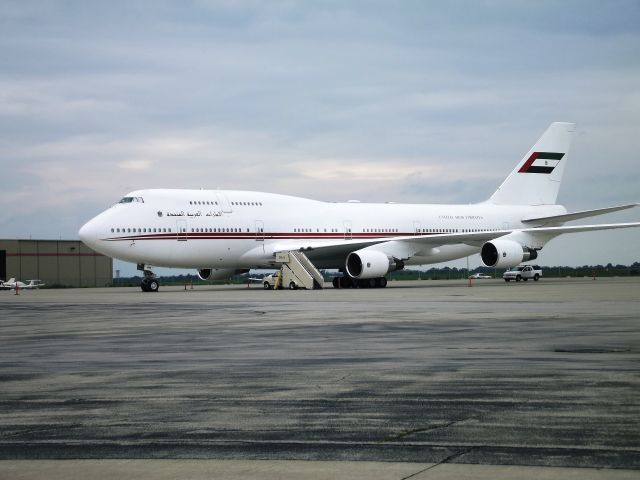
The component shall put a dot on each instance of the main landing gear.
(347, 282)
(149, 282)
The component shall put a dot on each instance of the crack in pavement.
(406, 433)
(453, 456)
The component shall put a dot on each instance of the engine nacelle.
(218, 273)
(363, 264)
(506, 253)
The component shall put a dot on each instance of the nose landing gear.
(149, 282)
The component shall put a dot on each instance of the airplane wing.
(404, 247)
(333, 248)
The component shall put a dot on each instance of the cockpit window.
(132, 199)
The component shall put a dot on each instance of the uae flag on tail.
(541, 162)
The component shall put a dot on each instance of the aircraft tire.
(381, 282)
(154, 286)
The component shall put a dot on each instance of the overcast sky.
(410, 101)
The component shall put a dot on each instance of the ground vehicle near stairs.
(273, 281)
(523, 272)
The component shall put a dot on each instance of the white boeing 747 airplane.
(219, 232)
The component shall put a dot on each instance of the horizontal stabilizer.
(581, 228)
(567, 217)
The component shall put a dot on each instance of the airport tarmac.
(424, 376)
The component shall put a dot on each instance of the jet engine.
(363, 264)
(506, 253)
(218, 273)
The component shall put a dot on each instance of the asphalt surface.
(539, 374)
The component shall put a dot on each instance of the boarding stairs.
(297, 268)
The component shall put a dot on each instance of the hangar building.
(64, 263)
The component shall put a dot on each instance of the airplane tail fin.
(536, 179)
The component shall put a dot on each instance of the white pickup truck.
(523, 272)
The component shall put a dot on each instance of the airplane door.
(224, 203)
(217, 208)
(182, 230)
(259, 231)
(348, 235)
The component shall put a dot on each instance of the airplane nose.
(88, 233)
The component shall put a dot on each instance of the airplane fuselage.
(243, 229)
